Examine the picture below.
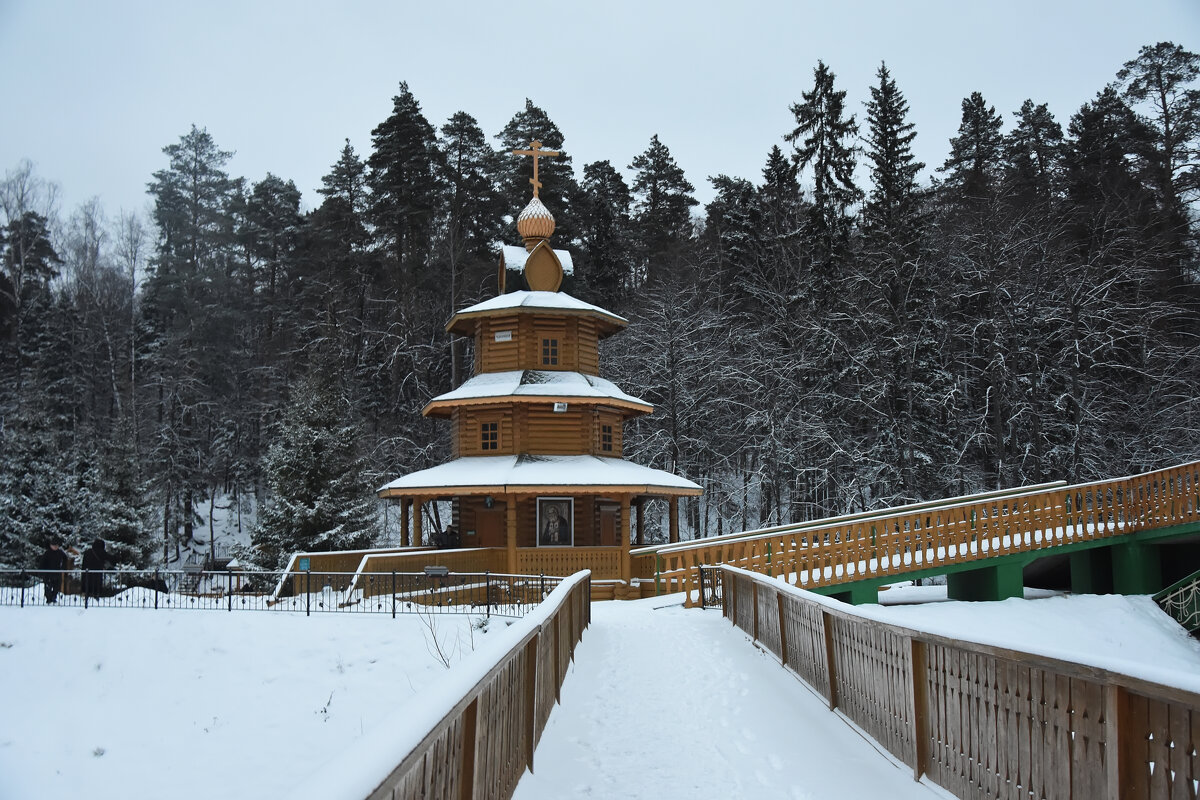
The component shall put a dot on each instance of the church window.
(489, 436)
(549, 352)
(606, 438)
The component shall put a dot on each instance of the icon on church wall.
(554, 521)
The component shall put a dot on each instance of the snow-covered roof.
(532, 301)
(515, 257)
(503, 473)
(537, 383)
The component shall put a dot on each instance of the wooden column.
(416, 515)
(404, 535)
(623, 532)
(674, 519)
(510, 506)
(641, 520)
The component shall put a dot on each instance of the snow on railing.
(980, 721)
(892, 543)
(475, 733)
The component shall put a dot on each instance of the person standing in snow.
(95, 559)
(52, 564)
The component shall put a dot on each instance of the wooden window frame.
(549, 351)
(489, 435)
(606, 438)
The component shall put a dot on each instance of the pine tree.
(662, 210)
(320, 498)
(779, 197)
(822, 140)
(973, 165)
(405, 166)
(1033, 156)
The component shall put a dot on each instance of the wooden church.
(537, 472)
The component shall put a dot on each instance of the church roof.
(533, 383)
(532, 302)
(501, 474)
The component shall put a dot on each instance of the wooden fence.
(884, 545)
(980, 721)
(483, 745)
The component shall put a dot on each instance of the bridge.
(1111, 531)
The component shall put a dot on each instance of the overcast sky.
(92, 91)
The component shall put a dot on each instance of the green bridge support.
(856, 594)
(1092, 571)
(997, 582)
(1136, 568)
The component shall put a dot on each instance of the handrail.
(900, 541)
(475, 735)
(1181, 600)
(857, 515)
(978, 720)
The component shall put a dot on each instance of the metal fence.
(712, 583)
(308, 592)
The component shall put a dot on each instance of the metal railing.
(308, 592)
(1182, 601)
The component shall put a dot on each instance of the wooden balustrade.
(604, 562)
(468, 560)
(483, 745)
(980, 721)
(927, 537)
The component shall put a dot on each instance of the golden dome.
(535, 221)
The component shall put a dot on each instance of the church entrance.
(608, 525)
(490, 526)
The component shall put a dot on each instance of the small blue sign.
(302, 565)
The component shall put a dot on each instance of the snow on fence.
(980, 721)
(473, 735)
(898, 541)
(307, 592)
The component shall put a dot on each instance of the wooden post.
(623, 532)
(404, 534)
(674, 515)
(918, 710)
(416, 515)
(754, 599)
(783, 644)
(531, 670)
(510, 504)
(466, 774)
(830, 669)
(1115, 703)
(641, 521)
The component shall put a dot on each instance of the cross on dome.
(535, 150)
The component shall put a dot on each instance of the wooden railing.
(484, 738)
(893, 543)
(475, 559)
(979, 721)
(604, 562)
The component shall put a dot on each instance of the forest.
(814, 343)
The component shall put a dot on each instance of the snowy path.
(678, 703)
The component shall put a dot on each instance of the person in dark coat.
(52, 564)
(95, 559)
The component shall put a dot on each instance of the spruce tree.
(559, 190)
(1033, 156)
(823, 141)
(891, 204)
(320, 497)
(662, 210)
(607, 246)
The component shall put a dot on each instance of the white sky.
(92, 91)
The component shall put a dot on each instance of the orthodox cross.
(535, 150)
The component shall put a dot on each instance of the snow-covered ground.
(196, 704)
(660, 701)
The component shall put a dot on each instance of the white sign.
(503, 336)
(560, 408)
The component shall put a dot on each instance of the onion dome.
(535, 222)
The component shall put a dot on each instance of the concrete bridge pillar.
(857, 594)
(997, 582)
(1092, 571)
